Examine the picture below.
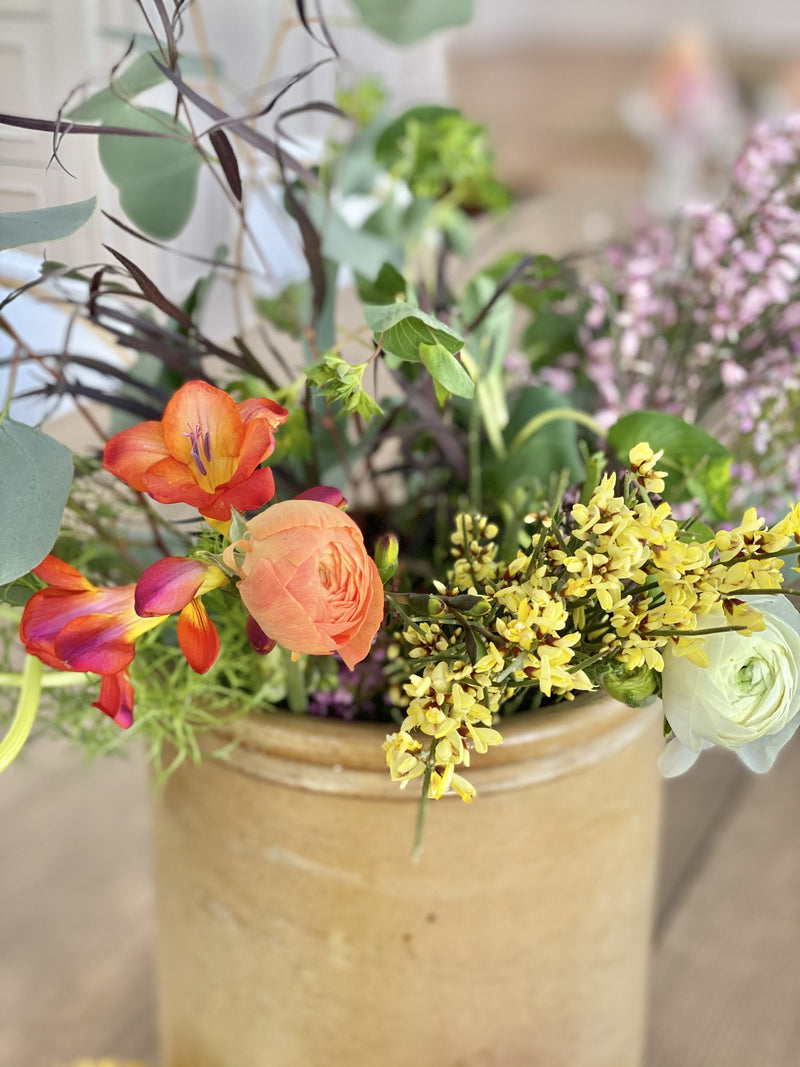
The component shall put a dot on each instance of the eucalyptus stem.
(27, 706)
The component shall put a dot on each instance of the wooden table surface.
(77, 931)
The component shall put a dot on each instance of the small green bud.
(387, 550)
(634, 688)
(467, 604)
(423, 604)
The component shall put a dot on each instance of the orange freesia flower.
(74, 625)
(308, 581)
(205, 452)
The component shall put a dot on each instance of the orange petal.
(200, 407)
(361, 642)
(96, 643)
(198, 637)
(116, 698)
(60, 575)
(132, 452)
(171, 482)
(262, 407)
(246, 496)
(257, 443)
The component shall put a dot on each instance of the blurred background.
(598, 114)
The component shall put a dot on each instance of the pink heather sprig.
(702, 318)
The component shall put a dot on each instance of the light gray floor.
(77, 931)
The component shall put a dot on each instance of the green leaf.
(697, 465)
(389, 146)
(142, 74)
(404, 328)
(43, 224)
(385, 289)
(532, 459)
(407, 21)
(445, 369)
(35, 479)
(156, 176)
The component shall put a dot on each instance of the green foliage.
(341, 382)
(363, 101)
(290, 310)
(35, 477)
(446, 370)
(408, 21)
(439, 153)
(410, 334)
(533, 456)
(156, 176)
(18, 228)
(698, 466)
(388, 286)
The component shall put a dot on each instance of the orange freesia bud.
(176, 584)
(325, 494)
(261, 643)
(308, 581)
(205, 452)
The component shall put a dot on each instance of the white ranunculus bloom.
(747, 699)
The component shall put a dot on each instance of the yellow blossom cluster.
(605, 585)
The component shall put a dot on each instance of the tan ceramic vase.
(296, 932)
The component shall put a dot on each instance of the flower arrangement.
(502, 546)
(597, 594)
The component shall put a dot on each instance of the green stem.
(296, 695)
(475, 468)
(27, 706)
(53, 680)
(422, 811)
(553, 415)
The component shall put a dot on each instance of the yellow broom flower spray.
(604, 594)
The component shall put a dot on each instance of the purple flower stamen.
(196, 436)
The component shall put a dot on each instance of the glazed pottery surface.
(295, 931)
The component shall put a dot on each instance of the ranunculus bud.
(634, 688)
(387, 551)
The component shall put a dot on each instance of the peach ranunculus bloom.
(308, 581)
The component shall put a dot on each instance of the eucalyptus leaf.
(35, 479)
(156, 176)
(407, 21)
(404, 328)
(445, 369)
(19, 228)
(697, 465)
